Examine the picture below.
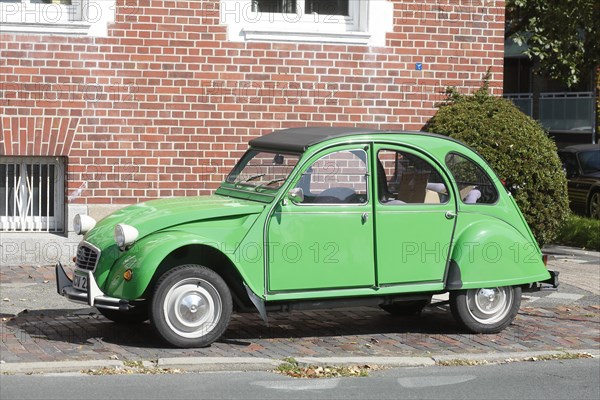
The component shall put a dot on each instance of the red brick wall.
(165, 104)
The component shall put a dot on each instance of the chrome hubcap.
(192, 308)
(488, 306)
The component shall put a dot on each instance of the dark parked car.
(582, 166)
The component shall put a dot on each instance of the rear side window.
(404, 178)
(474, 184)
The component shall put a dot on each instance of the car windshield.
(590, 161)
(259, 170)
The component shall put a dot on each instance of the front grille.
(87, 257)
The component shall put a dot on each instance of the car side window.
(403, 177)
(474, 184)
(337, 178)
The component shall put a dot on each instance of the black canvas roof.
(300, 139)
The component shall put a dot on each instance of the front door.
(325, 239)
(414, 217)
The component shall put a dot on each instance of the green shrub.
(518, 150)
(581, 232)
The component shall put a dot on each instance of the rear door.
(414, 217)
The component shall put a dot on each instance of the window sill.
(72, 28)
(263, 35)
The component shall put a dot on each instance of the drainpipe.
(596, 105)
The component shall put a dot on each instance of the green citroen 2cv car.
(316, 218)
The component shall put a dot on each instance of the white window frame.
(367, 23)
(22, 201)
(89, 17)
(357, 11)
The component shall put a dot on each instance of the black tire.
(191, 306)
(406, 308)
(593, 210)
(136, 315)
(488, 310)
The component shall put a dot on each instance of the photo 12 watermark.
(268, 92)
(64, 12)
(56, 94)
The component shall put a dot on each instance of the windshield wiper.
(253, 177)
(272, 181)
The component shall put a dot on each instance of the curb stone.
(240, 364)
(205, 364)
(558, 251)
(57, 366)
(515, 356)
(381, 361)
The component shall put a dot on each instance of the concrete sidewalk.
(578, 268)
(40, 331)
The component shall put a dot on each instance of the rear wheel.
(136, 315)
(191, 306)
(594, 205)
(406, 308)
(487, 310)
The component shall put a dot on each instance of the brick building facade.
(116, 102)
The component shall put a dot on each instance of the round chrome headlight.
(82, 224)
(125, 235)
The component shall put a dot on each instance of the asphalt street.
(568, 379)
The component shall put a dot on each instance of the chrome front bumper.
(93, 296)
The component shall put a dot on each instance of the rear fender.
(489, 253)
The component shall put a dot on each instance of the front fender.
(489, 252)
(144, 259)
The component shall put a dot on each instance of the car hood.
(155, 215)
(592, 175)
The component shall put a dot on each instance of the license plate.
(80, 281)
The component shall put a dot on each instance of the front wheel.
(487, 310)
(191, 306)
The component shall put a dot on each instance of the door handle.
(450, 214)
(365, 217)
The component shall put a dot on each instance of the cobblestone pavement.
(47, 333)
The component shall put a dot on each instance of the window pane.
(474, 184)
(339, 177)
(274, 6)
(406, 178)
(8, 174)
(9, 178)
(31, 194)
(590, 161)
(63, 2)
(327, 7)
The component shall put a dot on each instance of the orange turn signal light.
(128, 275)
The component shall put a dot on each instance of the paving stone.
(84, 335)
(569, 296)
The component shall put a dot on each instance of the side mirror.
(296, 195)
